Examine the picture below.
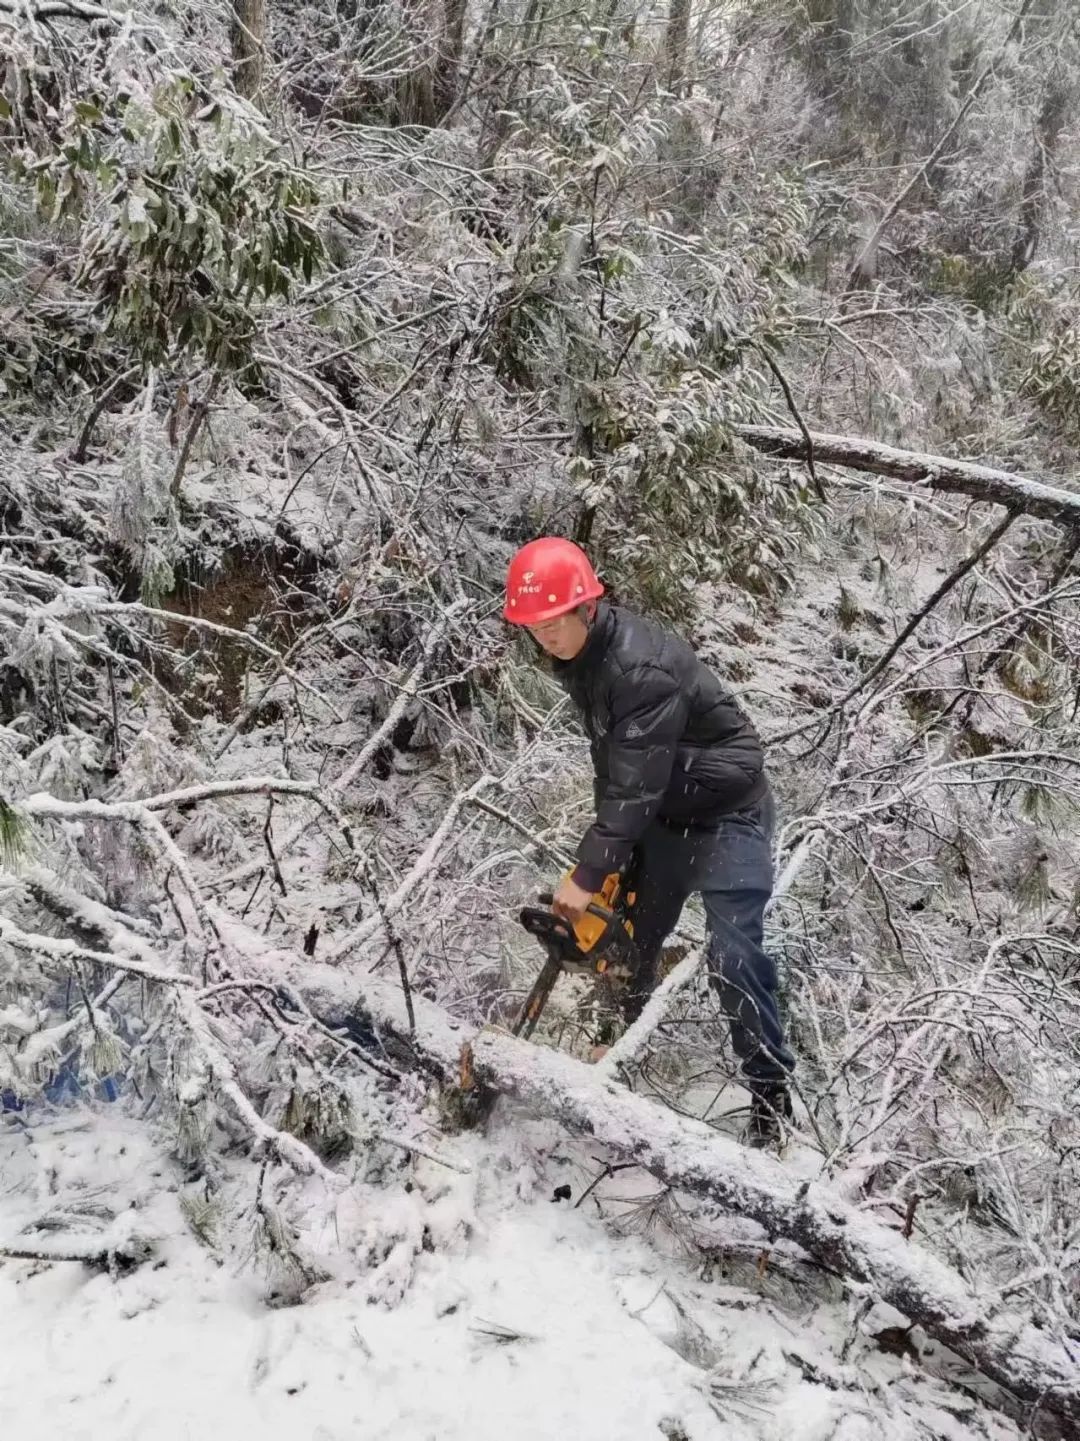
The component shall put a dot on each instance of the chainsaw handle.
(549, 928)
(601, 912)
(546, 925)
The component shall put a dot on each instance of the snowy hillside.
(310, 314)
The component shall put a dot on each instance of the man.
(683, 804)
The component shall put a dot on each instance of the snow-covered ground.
(496, 1313)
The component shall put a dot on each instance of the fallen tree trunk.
(692, 1158)
(935, 472)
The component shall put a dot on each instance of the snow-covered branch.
(429, 644)
(420, 868)
(58, 948)
(75, 604)
(248, 785)
(279, 1144)
(935, 472)
(56, 10)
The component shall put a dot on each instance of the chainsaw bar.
(611, 954)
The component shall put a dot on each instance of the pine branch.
(285, 1148)
(135, 813)
(60, 949)
(249, 785)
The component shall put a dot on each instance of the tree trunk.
(448, 64)
(248, 36)
(692, 1158)
(933, 472)
(415, 91)
(1048, 128)
(675, 44)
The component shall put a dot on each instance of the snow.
(520, 1317)
(207, 1357)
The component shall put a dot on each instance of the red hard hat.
(548, 577)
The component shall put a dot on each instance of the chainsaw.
(600, 944)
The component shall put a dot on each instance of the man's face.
(563, 637)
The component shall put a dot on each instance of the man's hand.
(571, 900)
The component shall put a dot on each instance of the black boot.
(770, 1111)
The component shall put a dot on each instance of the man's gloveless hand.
(571, 900)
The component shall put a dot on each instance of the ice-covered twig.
(416, 873)
(377, 489)
(75, 601)
(134, 609)
(432, 639)
(285, 1148)
(634, 1039)
(560, 856)
(430, 642)
(404, 1143)
(251, 785)
(139, 814)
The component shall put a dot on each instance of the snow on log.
(689, 1156)
(935, 472)
(120, 1246)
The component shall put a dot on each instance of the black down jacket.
(669, 741)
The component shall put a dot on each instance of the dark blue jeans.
(731, 869)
